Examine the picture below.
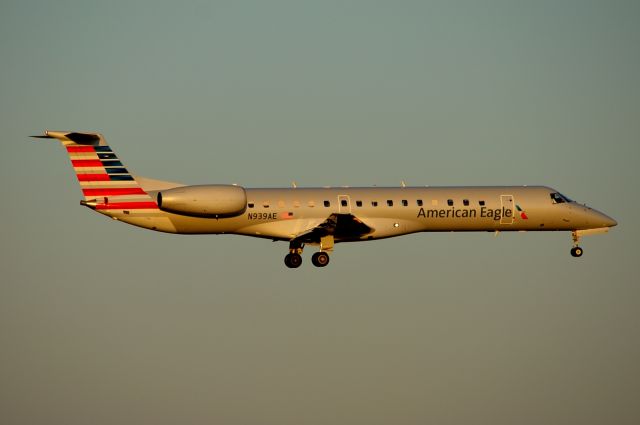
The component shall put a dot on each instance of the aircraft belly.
(281, 229)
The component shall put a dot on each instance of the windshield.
(559, 198)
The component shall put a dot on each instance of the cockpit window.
(558, 198)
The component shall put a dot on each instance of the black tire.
(576, 251)
(320, 259)
(293, 261)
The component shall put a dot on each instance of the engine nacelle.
(210, 201)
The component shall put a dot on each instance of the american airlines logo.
(523, 214)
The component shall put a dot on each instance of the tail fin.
(106, 184)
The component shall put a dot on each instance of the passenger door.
(506, 201)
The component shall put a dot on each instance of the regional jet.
(318, 217)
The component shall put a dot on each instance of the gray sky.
(105, 323)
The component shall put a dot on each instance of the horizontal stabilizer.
(66, 137)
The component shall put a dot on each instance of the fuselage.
(283, 213)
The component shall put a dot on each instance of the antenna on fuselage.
(294, 184)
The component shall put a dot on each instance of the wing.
(342, 227)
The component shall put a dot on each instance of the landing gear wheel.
(320, 259)
(293, 261)
(576, 251)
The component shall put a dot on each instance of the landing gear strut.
(293, 259)
(576, 251)
(320, 259)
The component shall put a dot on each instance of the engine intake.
(209, 201)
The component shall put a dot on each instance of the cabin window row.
(345, 203)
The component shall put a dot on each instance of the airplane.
(318, 217)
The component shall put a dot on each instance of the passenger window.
(465, 202)
(296, 204)
(265, 204)
(311, 204)
(343, 202)
(358, 203)
(405, 203)
(327, 203)
(450, 202)
(389, 202)
(419, 202)
(374, 203)
(250, 205)
(481, 203)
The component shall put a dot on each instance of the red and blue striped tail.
(106, 183)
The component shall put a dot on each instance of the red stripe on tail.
(93, 177)
(86, 163)
(80, 149)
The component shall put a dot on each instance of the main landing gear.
(320, 259)
(576, 251)
(293, 259)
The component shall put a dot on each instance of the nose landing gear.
(576, 251)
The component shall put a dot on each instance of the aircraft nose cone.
(609, 221)
(596, 219)
(604, 220)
